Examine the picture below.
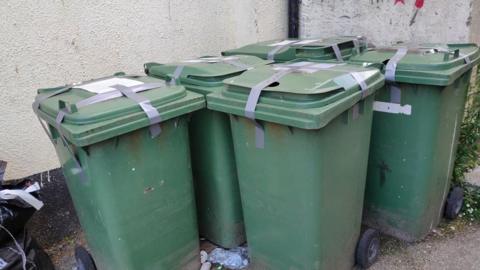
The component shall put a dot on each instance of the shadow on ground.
(452, 246)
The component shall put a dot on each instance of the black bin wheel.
(454, 203)
(368, 248)
(83, 259)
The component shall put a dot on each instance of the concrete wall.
(384, 22)
(51, 43)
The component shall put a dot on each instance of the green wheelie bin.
(335, 48)
(122, 142)
(414, 136)
(301, 133)
(219, 208)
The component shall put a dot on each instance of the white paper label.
(282, 43)
(103, 86)
(392, 108)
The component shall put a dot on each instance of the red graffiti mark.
(399, 1)
(419, 4)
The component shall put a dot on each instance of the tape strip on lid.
(391, 67)
(104, 95)
(282, 70)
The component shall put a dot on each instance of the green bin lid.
(207, 71)
(308, 98)
(103, 120)
(429, 64)
(314, 49)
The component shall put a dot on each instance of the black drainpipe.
(293, 18)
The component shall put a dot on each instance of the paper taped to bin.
(394, 108)
(103, 86)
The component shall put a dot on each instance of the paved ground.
(451, 247)
(454, 246)
(62, 253)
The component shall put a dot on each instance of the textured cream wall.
(383, 22)
(475, 22)
(50, 43)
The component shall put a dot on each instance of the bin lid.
(315, 49)
(96, 111)
(306, 95)
(208, 71)
(429, 64)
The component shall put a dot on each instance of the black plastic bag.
(14, 214)
(23, 253)
(18, 250)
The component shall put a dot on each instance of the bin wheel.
(83, 259)
(368, 248)
(454, 203)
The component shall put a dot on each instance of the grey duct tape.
(350, 80)
(78, 170)
(252, 101)
(395, 93)
(152, 113)
(257, 89)
(130, 92)
(356, 45)
(259, 135)
(237, 63)
(363, 85)
(466, 58)
(271, 54)
(36, 105)
(115, 94)
(40, 99)
(355, 111)
(338, 53)
(176, 74)
(231, 60)
(391, 67)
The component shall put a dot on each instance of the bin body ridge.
(220, 217)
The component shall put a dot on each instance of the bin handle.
(231, 60)
(425, 50)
